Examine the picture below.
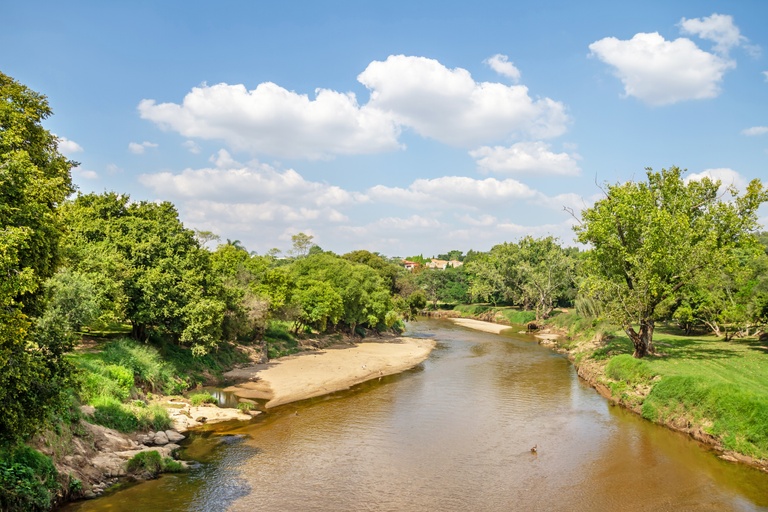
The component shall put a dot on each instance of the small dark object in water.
(535, 448)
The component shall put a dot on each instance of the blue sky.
(393, 127)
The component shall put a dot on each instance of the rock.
(161, 439)
(173, 436)
(87, 410)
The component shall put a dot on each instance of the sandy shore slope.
(480, 325)
(318, 373)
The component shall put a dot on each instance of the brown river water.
(454, 434)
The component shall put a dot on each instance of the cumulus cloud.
(452, 191)
(726, 176)
(661, 72)
(500, 64)
(755, 130)
(85, 173)
(718, 28)
(449, 106)
(526, 157)
(69, 147)
(273, 120)
(138, 148)
(256, 184)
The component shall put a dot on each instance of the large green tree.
(651, 239)
(34, 180)
(161, 277)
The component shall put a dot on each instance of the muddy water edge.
(455, 433)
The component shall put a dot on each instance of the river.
(453, 434)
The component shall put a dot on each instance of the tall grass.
(738, 416)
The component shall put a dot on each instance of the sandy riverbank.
(318, 373)
(480, 325)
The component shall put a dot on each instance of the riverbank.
(316, 373)
(629, 382)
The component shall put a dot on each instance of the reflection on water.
(454, 434)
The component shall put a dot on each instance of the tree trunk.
(642, 341)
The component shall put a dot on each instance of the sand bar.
(312, 374)
(480, 325)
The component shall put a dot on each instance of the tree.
(546, 273)
(164, 278)
(34, 180)
(302, 243)
(651, 239)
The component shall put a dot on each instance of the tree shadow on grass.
(693, 348)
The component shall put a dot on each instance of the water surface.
(453, 434)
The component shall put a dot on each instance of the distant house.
(443, 264)
(410, 265)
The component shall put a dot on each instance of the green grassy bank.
(699, 384)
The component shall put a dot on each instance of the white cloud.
(273, 120)
(718, 28)
(500, 64)
(114, 168)
(139, 148)
(453, 192)
(86, 174)
(449, 106)
(526, 157)
(726, 176)
(191, 146)
(765, 74)
(69, 147)
(755, 130)
(661, 72)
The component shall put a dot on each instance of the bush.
(27, 480)
(244, 407)
(198, 399)
(150, 464)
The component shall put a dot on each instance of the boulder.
(161, 439)
(173, 436)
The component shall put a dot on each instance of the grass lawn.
(720, 387)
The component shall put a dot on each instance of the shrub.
(150, 464)
(198, 399)
(244, 406)
(27, 480)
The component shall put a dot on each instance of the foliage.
(150, 464)
(198, 399)
(279, 339)
(34, 179)
(365, 297)
(534, 273)
(28, 480)
(651, 239)
(244, 407)
(157, 275)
